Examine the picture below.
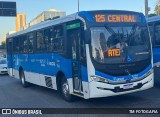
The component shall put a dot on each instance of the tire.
(23, 80)
(157, 76)
(65, 91)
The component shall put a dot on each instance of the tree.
(3, 45)
(152, 14)
(158, 11)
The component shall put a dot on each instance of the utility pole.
(146, 8)
(78, 5)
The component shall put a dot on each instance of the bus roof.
(153, 19)
(86, 14)
(45, 24)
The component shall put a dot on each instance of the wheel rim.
(65, 89)
(22, 79)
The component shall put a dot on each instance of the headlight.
(99, 79)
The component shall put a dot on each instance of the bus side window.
(40, 43)
(51, 36)
(151, 33)
(21, 45)
(58, 39)
(15, 45)
(82, 46)
(25, 44)
(47, 41)
(30, 42)
(157, 35)
(9, 45)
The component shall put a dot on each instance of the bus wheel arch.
(59, 77)
(61, 81)
(22, 78)
(20, 70)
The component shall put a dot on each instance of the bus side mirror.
(87, 37)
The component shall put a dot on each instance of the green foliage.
(152, 14)
(3, 45)
(158, 11)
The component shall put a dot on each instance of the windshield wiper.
(110, 30)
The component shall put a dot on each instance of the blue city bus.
(154, 27)
(89, 54)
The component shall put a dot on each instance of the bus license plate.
(127, 86)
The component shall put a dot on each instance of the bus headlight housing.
(99, 79)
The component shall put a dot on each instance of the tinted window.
(157, 34)
(30, 42)
(23, 44)
(58, 39)
(47, 39)
(40, 41)
(9, 46)
(151, 32)
(16, 45)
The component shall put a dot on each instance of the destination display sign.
(114, 52)
(116, 18)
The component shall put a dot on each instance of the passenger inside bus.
(102, 47)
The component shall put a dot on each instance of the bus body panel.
(156, 57)
(41, 68)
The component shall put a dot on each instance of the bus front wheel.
(23, 80)
(65, 90)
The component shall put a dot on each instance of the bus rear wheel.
(65, 90)
(23, 80)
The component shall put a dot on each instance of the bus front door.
(76, 64)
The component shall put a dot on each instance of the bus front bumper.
(98, 89)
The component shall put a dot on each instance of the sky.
(32, 8)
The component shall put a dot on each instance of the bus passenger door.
(75, 36)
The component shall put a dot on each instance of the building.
(46, 15)
(20, 21)
(4, 37)
(157, 7)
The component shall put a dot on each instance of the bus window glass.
(15, 45)
(40, 43)
(47, 41)
(157, 35)
(151, 32)
(51, 36)
(9, 46)
(58, 39)
(23, 44)
(30, 42)
(115, 45)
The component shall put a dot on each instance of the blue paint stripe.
(87, 16)
(156, 55)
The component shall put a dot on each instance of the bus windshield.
(121, 44)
